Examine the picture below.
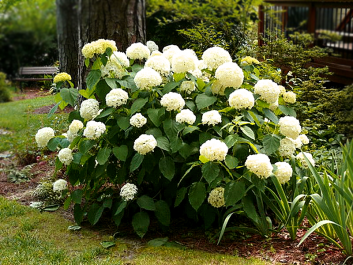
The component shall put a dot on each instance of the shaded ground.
(278, 248)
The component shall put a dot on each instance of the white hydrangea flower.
(298, 143)
(187, 116)
(128, 192)
(75, 126)
(197, 73)
(98, 47)
(157, 53)
(60, 185)
(304, 139)
(214, 150)
(43, 136)
(116, 97)
(290, 127)
(183, 61)
(187, 87)
(282, 90)
(89, 109)
(120, 58)
(138, 51)
(289, 97)
(273, 106)
(241, 99)
(172, 46)
(215, 56)
(65, 156)
(138, 120)
(71, 136)
(230, 75)
(218, 88)
(170, 51)
(268, 90)
(113, 70)
(160, 64)
(216, 197)
(94, 130)
(283, 172)
(286, 147)
(147, 78)
(172, 101)
(145, 144)
(152, 46)
(211, 117)
(301, 158)
(260, 165)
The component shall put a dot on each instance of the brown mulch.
(278, 248)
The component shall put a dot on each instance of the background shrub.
(4, 91)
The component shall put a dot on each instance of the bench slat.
(38, 70)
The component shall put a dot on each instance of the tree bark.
(67, 33)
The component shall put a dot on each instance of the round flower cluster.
(138, 120)
(216, 197)
(289, 97)
(159, 64)
(217, 88)
(211, 117)
(172, 101)
(241, 99)
(138, 51)
(283, 172)
(301, 158)
(273, 106)
(89, 109)
(60, 185)
(43, 136)
(260, 165)
(187, 87)
(230, 75)
(147, 78)
(304, 139)
(289, 126)
(286, 147)
(215, 57)
(249, 60)
(152, 46)
(282, 90)
(74, 127)
(128, 192)
(298, 143)
(170, 51)
(98, 47)
(214, 150)
(156, 53)
(62, 77)
(116, 97)
(120, 58)
(113, 69)
(94, 130)
(145, 144)
(65, 156)
(268, 90)
(183, 61)
(187, 116)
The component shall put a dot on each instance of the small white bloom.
(304, 139)
(214, 150)
(286, 147)
(216, 197)
(241, 99)
(160, 64)
(186, 116)
(60, 185)
(65, 156)
(268, 90)
(113, 69)
(230, 75)
(284, 172)
(120, 58)
(138, 120)
(290, 127)
(183, 61)
(43, 136)
(116, 97)
(215, 56)
(147, 78)
(170, 51)
(273, 106)
(152, 46)
(75, 126)
(298, 143)
(172, 101)
(260, 165)
(301, 158)
(211, 117)
(94, 130)
(218, 88)
(128, 192)
(89, 109)
(289, 97)
(138, 51)
(187, 86)
(145, 144)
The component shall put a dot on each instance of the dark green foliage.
(4, 91)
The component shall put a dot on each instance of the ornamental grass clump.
(174, 134)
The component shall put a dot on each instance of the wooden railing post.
(312, 18)
(261, 28)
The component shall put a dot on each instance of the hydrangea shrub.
(173, 135)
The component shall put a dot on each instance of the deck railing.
(330, 21)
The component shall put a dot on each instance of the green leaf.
(271, 143)
(180, 195)
(51, 208)
(123, 122)
(314, 227)
(76, 196)
(69, 95)
(230, 140)
(185, 150)
(74, 227)
(138, 105)
(234, 191)
(203, 101)
(103, 155)
(175, 144)
(226, 220)
(155, 115)
(136, 162)
(54, 143)
(197, 194)
(210, 171)
(162, 212)
(155, 132)
(169, 87)
(146, 202)
(93, 78)
(270, 115)
(78, 213)
(140, 223)
(157, 242)
(167, 167)
(121, 152)
(231, 161)
(87, 61)
(248, 132)
(95, 213)
(121, 207)
(287, 111)
(86, 93)
(107, 244)
(250, 209)
(102, 89)
(163, 143)
(85, 145)
(190, 129)
(53, 109)
(111, 82)
(179, 76)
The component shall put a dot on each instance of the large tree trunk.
(123, 21)
(67, 33)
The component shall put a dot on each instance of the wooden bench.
(26, 74)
